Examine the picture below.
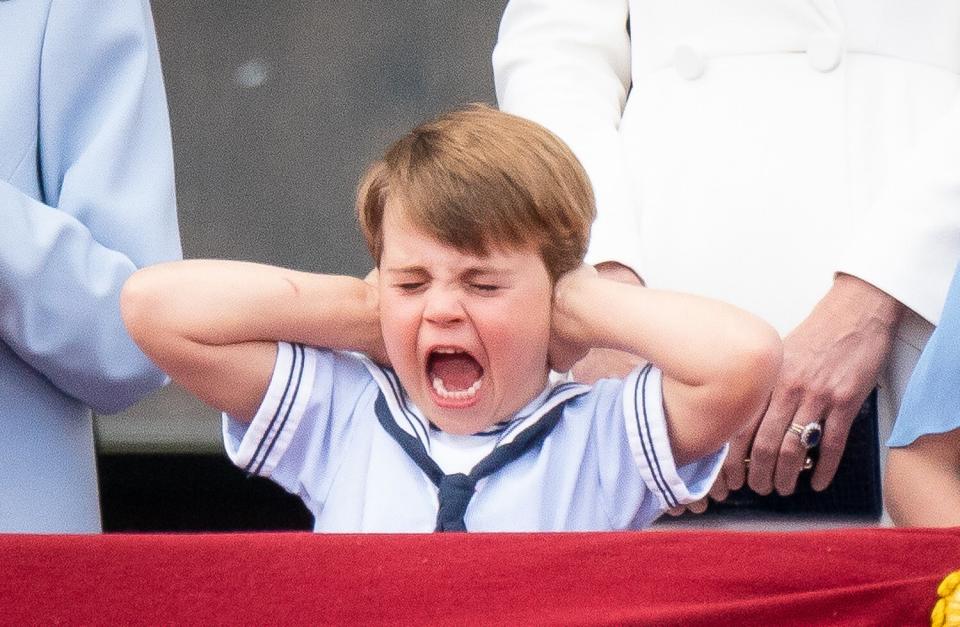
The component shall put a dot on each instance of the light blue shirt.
(931, 403)
(607, 465)
(86, 198)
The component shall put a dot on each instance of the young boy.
(478, 223)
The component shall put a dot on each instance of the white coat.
(749, 149)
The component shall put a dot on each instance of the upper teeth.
(470, 392)
(447, 351)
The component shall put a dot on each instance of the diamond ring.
(810, 435)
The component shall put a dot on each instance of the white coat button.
(824, 51)
(688, 63)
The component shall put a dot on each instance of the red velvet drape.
(843, 577)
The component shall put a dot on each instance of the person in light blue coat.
(86, 197)
(923, 471)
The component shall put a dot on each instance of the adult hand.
(604, 363)
(831, 362)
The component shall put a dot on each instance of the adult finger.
(792, 451)
(734, 473)
(836, 428)
(769, 438)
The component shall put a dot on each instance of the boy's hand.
(569, 342)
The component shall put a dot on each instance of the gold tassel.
(946, 613)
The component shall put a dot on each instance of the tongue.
(458, 372)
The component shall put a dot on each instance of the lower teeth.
(442, 391)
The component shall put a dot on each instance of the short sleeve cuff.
(257, 447)
(646, 425)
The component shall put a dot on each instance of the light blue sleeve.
(931, 403)
(303, 428)
(91, 200)
(640, 477)
(646, 428)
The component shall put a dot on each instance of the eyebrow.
(406, 270)
(476, 272)
(470, 273)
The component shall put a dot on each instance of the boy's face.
(468, 336)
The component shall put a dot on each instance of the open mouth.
(454, 374)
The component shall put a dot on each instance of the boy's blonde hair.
(477, 179)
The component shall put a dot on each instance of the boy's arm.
(213, 325)
(719, 363)
(922, 487)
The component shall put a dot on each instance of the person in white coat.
(798, 158)
(86, 198)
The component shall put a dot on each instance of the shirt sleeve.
(297, 437)
(105, 207)
(931, 403)
(646, 427)
(566, 65)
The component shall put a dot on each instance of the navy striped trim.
(298, 351)
(283, 423)
(411, 445)
(543, 408)
(410, 417)
(496, 428)
(646, 439)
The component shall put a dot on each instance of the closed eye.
(485, 287)
(409, 286)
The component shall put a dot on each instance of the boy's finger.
(699, 507)
(720, 490)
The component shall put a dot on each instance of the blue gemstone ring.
(810, 435)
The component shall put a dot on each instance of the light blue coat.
(931, 404)
(86, 197)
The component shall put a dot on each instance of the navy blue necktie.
(457, 489)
